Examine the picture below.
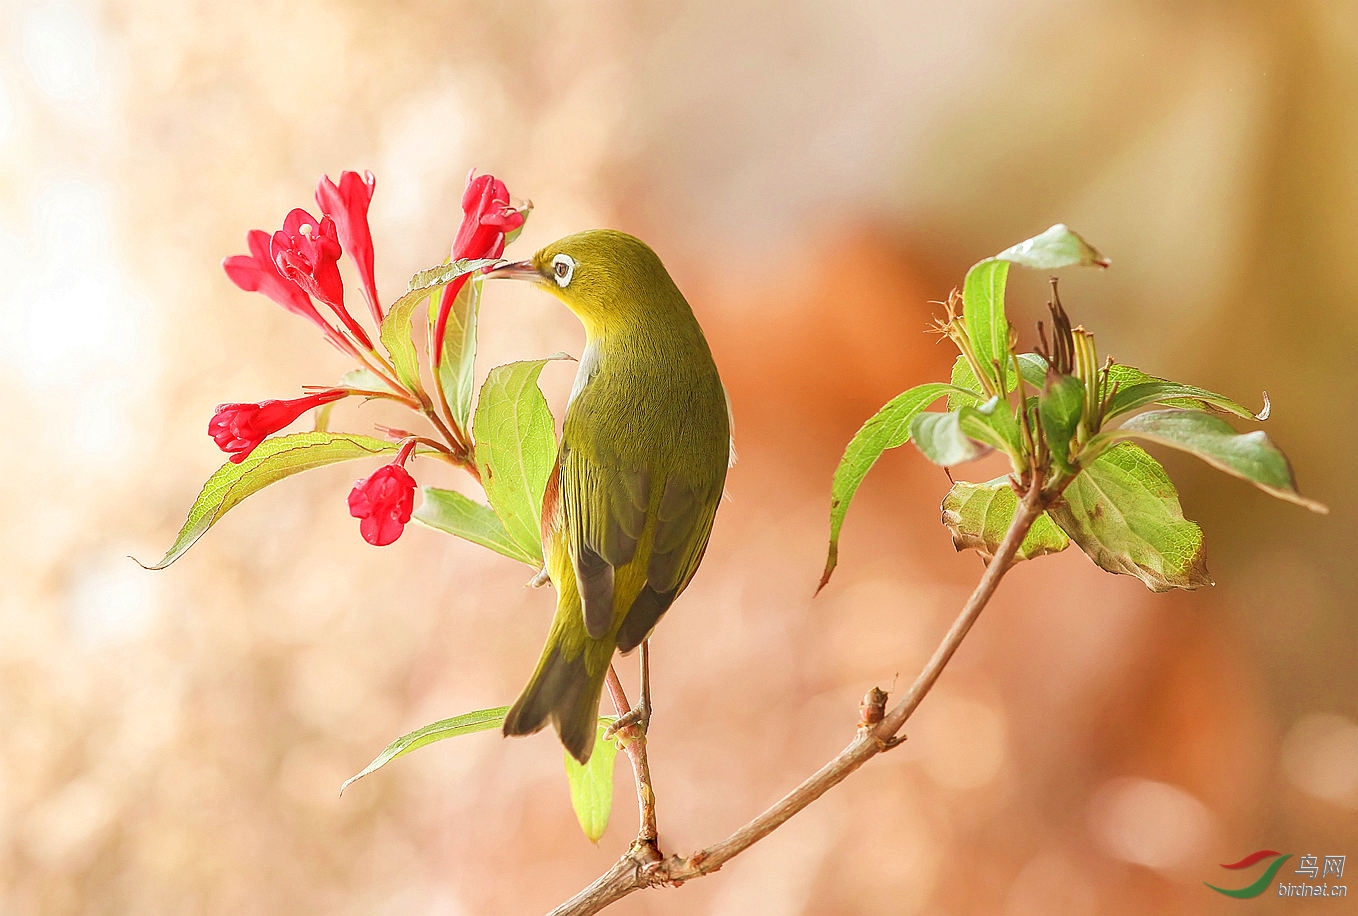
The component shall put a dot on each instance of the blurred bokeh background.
(813, 175)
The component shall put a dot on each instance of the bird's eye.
(563, 265)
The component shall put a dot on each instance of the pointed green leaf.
(274, 459)
(441, 275)
(356, 379)
(1032, 366)
(396, 337)
(888, 428)
(979, 514)
(963, 379)
(1058, 247)
(516, 448)
(396, 327)
(983, 291)
(457, 367)
(592, 785)
(940, 437)
(1251, 456)
(450, 511)
(1124, 513)
(465, 724)
(1136, 389)
(993, 424)
(362, 380)
(983, 313)
(1060, 407)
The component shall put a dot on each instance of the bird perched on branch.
(644, 451)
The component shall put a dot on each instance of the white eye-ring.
(563, 266)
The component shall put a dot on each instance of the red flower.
(383, 501)
(239, 428)
(487, 215)
(257, 272)
(306, 251)
(347, 205)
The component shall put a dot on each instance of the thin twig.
(633, 872)
(633, 738)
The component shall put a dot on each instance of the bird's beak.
(518, 270)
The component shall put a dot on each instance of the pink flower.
(240, 428)
(347, 205)
(487, 215)
(306, 251)
(383, 501)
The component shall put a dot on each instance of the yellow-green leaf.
(450, 511)
(271, 461)
(1136, 389)
(516, 448)
(978, 516)
(1250, 456)
(888, 428)
(592, 784)
(465, 724)
(1124, 513)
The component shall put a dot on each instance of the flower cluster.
(298, 267)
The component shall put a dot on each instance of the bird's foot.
(540, 578)
(638, 715)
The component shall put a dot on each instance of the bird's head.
(606, 277)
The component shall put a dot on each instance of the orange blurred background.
(813, 175)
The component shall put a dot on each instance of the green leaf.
(940, 437)
(592, 785)
(1136, 389)
(1058, 247)
(516, 448)
(888, 428)
(1251, 456)
(274, 459)
(442, 274)
(983, 292)
(1032, 367)
(983, 313)
(1124, 513)
(1060, 407)
(357, 379)
(993, 424)
(465, 724)
(450, 511)
(396, 327)
(396, 337)
(979, 514)
(457, 367)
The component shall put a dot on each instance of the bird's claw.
(639, 715)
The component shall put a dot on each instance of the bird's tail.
(565, 688)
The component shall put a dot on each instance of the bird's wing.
(604, 506)
(683, 524)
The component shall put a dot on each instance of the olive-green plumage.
(643, 459)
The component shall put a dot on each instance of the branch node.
(888, 743)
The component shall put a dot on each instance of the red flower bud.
(487, 215)
(383, 501)
(306, 251)
(240, 428)
(347, 205)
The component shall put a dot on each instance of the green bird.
(645, 446)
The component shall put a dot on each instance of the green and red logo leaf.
(1259, 886)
